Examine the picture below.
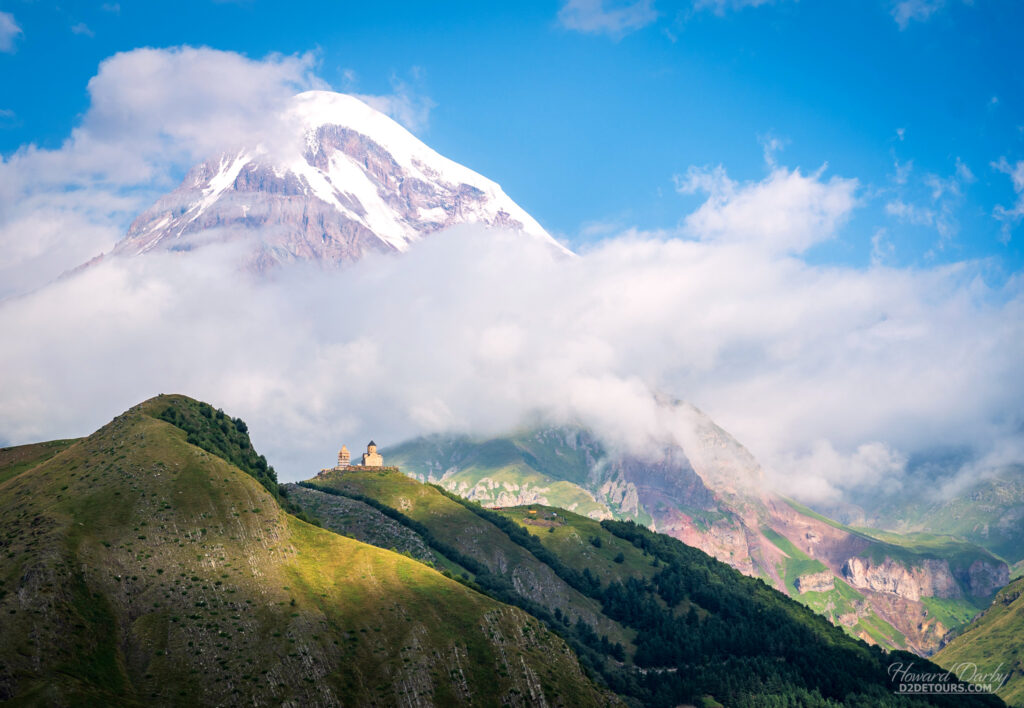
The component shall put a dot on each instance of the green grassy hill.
(662, 623)
(994, 639)
(151, 564)
(989, 512)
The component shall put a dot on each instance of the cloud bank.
(818, 370)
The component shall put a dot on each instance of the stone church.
(371, 458)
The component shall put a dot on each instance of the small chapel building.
(371, 458)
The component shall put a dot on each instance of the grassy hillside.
(699, 630)
(992, 640)
(15, 460)
(137, 568)
(452, 525)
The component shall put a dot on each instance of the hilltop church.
(371, 458)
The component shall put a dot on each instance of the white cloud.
(1012, 214)
(771, 146)
(823, 474)
(153, 113)
(881, 247)
(788, 356)
(903, 171)
(9, 31)
(794, 359)
(906, 11)
(82, 29)
(616, 20)
(938, 207)
(405, 105)
(720, 7)
(786, 211)
(911, 213)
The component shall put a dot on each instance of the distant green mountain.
(660, 622)
(993, 642)
(151, 563)
(988, 511)
(898, 591)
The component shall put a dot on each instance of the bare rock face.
(667, 482)
(816, 582)
(354, 183)
(621, 495)
(984, 579)
(930, 578)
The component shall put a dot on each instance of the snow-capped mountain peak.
(353, 181)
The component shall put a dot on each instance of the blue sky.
(586, 113)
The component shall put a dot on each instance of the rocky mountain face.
(931, 577)
(350, 182)
(706, 491)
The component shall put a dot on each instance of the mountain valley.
(900, 591)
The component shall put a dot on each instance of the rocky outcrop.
(666, 481)
(930, 578)
(620, 495)
(815, 582)
(984, 578)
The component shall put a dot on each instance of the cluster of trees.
(228, 438)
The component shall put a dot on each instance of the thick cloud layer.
(830, 375)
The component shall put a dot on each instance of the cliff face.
(986, 578)
(822, 581)
(932, 578)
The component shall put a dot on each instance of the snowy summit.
(357, 182)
